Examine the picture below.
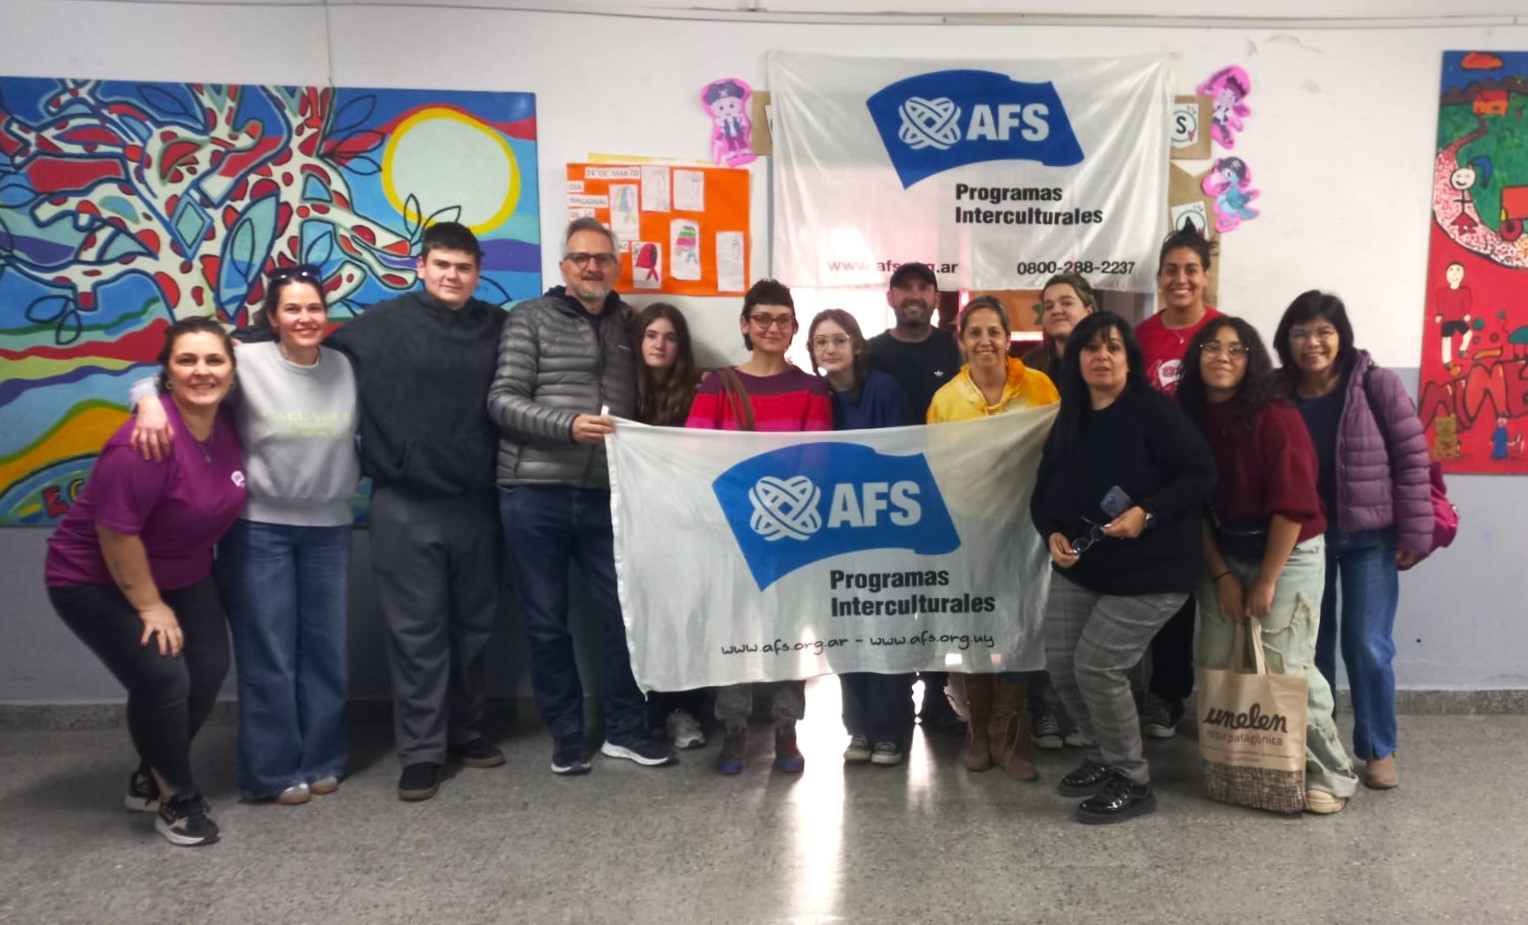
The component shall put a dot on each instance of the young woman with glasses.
(1264, 549)
(283, 566)
(766, 393)
(1118, 498)
(878, 708)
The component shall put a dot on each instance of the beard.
(926, 309)
(589, 290)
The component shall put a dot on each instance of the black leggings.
(168, 698)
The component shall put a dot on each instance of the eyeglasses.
(305, 271)
(603, 261)
(834, 340)
(1214, 348)
(1083, 543)
(764, 322)
(1309, 334)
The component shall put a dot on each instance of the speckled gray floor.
(926, 842)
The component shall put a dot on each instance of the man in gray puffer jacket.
(565, 366)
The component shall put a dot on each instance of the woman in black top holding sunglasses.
(1118, 497)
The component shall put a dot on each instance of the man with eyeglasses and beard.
(922, 358)
(565, 368)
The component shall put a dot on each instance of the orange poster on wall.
(682, 230)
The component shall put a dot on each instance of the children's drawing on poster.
(1229, 182)
(1473, 394)
(647, 264)
(684, 249)
(1227, 89)
(731, 128)
(667, 250)
(126, 205)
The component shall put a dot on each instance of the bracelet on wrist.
(1222, 574)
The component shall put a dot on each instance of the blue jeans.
(1361, 565)
(284, 590)
(547, 528)
(878, 706)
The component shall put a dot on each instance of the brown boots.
(998, 731)
(1008, 730)
(977, 755)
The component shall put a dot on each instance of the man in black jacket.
(565, 366)
(423, 364)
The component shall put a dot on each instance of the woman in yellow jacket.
(992, 382)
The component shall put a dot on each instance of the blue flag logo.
(934, 122)
(795, 506)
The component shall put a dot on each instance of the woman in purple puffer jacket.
(1372, 474)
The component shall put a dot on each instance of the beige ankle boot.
(1009, 729)
(977, 755)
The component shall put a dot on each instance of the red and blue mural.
(1473, 390)
(126, 205)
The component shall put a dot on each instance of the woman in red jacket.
(1264, 541)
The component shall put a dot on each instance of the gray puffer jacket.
(557, 361)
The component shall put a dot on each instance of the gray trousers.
(1091, 643)
(735, 702)
(436, 563)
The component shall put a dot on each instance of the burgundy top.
(1271, 470)
(178, 507)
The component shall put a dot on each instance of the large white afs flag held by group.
(997, 173)
(764, 557)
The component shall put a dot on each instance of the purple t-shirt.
(178, 507)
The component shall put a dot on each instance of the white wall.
(1340, 141)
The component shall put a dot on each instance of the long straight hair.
(666, 401)
(1076, 401)
(1252, 393)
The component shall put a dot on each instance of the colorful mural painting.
(126, 205)
(1473, 393)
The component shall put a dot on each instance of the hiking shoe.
(1380, 773)
(646, 750)
(142, 793)
(886, 754)
(476, 754)
(1085, 781)
(325, 785)
(1119, 798)
(1047, 732)
(684, 730)
(419, 781)
(788, 757)
(1079, 739)
(295, 795)
(734, 746)
(183, 821)
(1322, 803)
(858, 750)
(568, 756)
(1160, 718)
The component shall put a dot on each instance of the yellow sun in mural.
(446, 158)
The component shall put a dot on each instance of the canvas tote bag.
(1252, 730)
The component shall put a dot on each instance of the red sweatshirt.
(1271, 470)
(790, 401)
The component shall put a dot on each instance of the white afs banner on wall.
(996, 173)
(765, 557)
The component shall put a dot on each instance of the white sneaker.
(684, 730)
(858, 750)
(1078, 739)
(295, 795)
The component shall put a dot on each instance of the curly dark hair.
(1252, 394)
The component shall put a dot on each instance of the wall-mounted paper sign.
(1189, 128)
(1187, 204)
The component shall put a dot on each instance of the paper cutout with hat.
(731, 128)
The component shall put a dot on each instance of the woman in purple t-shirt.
(129, 570)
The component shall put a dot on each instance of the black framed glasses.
(305, 271)
(1083, 543)
(603, 261)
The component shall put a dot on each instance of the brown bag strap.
(737, 395)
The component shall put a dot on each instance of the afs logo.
(798, 505)
(936, 121)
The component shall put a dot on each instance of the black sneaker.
(1085, 781)
(1119, 798)
(568, 757)
(938, 715)
(142, 793)
(648, 751)
(183, 821)
(419, 781)
(1161, 717)
(476, 754)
